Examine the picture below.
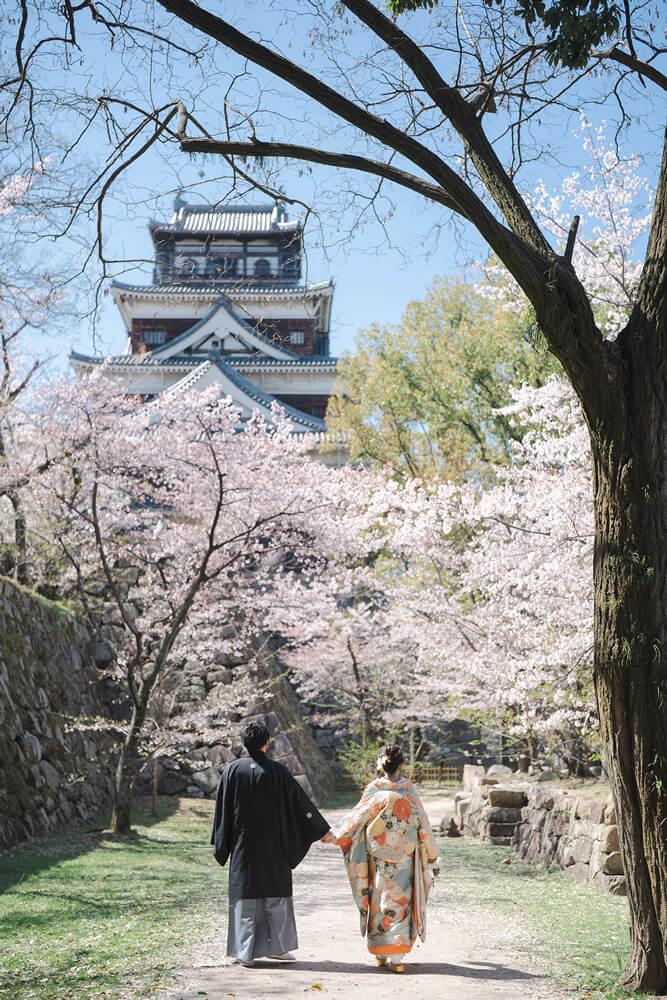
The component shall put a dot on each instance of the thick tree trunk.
(631, 667)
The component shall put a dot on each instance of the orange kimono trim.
(390, 949)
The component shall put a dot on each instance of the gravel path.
(459, 960)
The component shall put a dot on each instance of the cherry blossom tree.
(608, 198)
(180, 512)
(27, 300)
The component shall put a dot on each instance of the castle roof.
(185, 362)
(227, 219)
(239, 290)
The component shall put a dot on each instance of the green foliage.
(573, 27)
(420, 397)
(359, 758)
(87, 917)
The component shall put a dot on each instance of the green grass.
(84, 916)
(575, 933)
(87, 916)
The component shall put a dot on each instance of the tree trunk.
(121, 813)
(630, 667)
(156, 780)
(20, 552)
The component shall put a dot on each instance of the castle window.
(262, 269)
(297, 337)
(153, 338)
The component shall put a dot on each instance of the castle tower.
(227, 306)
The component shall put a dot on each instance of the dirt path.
(457, 962)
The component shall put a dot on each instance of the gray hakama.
(261, 927)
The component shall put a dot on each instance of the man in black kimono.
(265, 823)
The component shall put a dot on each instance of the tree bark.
(631, 685)
(121, 813)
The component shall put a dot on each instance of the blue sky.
(376, 274)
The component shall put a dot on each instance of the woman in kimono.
(391, 857)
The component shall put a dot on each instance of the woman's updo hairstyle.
(391, 757)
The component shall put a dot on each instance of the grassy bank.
(84, 916)
(575, 933)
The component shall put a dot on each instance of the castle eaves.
(236, 291)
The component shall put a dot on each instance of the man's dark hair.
(254, 736)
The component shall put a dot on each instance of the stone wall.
(547, 826)
(191, 763)
(576, 834)
(52, 773)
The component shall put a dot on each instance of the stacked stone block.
(549, 828)
(578, 835)
(55, 770)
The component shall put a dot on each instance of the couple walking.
(265, 823)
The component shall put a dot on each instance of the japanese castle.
(227, 307)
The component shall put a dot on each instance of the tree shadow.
(37, 856)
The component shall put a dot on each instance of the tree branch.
(260, 150)
(638, 66)
(469, 205)
(462, 116)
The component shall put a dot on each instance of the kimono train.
(391, 856)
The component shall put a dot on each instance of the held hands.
(328, 838)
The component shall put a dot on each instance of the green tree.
(420, 397)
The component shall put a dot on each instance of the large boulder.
(207, 779)
(498, 814)
(582, 849)
(470, 772)
(547, 776)
(50, 775)
(512, 798)
(503, 830)
(219, 754)
(609, 841)
(32, 747)
(612, 864)
(615, 885)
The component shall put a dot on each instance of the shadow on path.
(472, 970)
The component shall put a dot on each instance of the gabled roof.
(227, 219)
(215, 371)
(222, 312)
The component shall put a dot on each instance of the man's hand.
(327, 838)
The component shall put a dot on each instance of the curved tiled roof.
(228, 219)
(236, 291)
(222, 303)
(265, 399)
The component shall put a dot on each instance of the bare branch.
(260, 150)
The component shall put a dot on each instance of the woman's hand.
(328, 838)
